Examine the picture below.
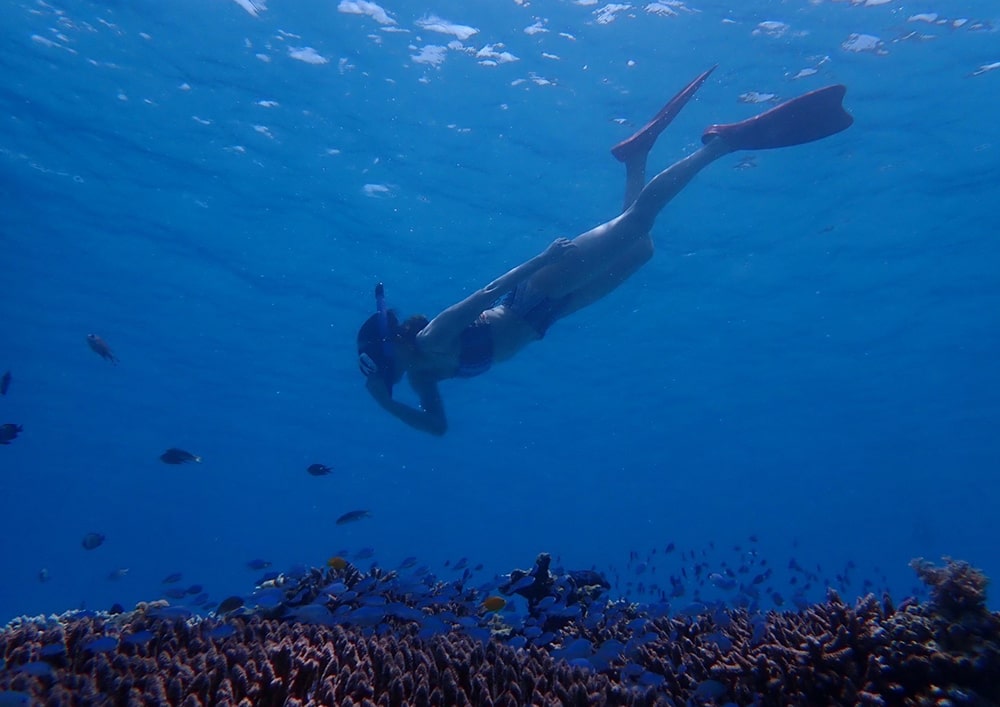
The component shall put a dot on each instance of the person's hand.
(378, 389)
(558, 249)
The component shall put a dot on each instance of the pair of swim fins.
(811, 116)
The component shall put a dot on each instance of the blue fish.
(353, 517)
(102, 644)
(258, 565)
(52, 650)
(139, 638)
(221, 632)
(92, 540)
(37, 668)
(14, 698)
(710, 690)
(171, 613)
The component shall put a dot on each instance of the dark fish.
(318, 469)
(9, 431)
(258, 564)
(194, 589)
(101, 348)
(175, 593)
(92, 540)
(178, 456)
(353, 517)
(229, 604)
(221, 632)
(5, 383)
(139, 638)
(172, 578)
(43, 575)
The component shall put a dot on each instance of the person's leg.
(637, 255)
(812, 116)
(601, 246)
(634, 150)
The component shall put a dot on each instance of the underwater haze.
(806, 370)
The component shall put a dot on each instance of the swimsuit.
(475, 353)
(475, 349)
(534, 307)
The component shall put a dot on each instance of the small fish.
(172, 578)
(9, 431)
(13, 698)
(222, 631)
(139, 638)
(494, 603)
(101, 348)
(710, 689)
(37, 668)
(229, 604)
(318, 469)
(175, 593)
(92, 540)
(194, 589)
(102, 644)
(258, 564)
(118, 574)
(5, 383)
(43, 575)
(336, 562)
(178, 456)
(353, 517)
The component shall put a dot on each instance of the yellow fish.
(494, 603)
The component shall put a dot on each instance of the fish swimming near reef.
(318, 469)
(353, 517)
(5, 383)
(101, 348)
(178, 456)
(92, 540)
(229, 604)
(9, 431)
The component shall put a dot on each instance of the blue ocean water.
(214, 187)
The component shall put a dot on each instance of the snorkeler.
(496, 322)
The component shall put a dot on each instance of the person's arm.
(447, 325)
(428, 418)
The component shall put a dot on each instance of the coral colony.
(340, 636)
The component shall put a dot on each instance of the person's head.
(376, 353)
(386, 347)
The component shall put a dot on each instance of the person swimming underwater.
(499, 320)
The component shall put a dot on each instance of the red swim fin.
(811, 116)
(642, 141)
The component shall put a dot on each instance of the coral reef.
(942, 652)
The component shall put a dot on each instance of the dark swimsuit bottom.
(476, 340)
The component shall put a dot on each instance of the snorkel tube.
(384, 334)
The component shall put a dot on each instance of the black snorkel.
(384, 334)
